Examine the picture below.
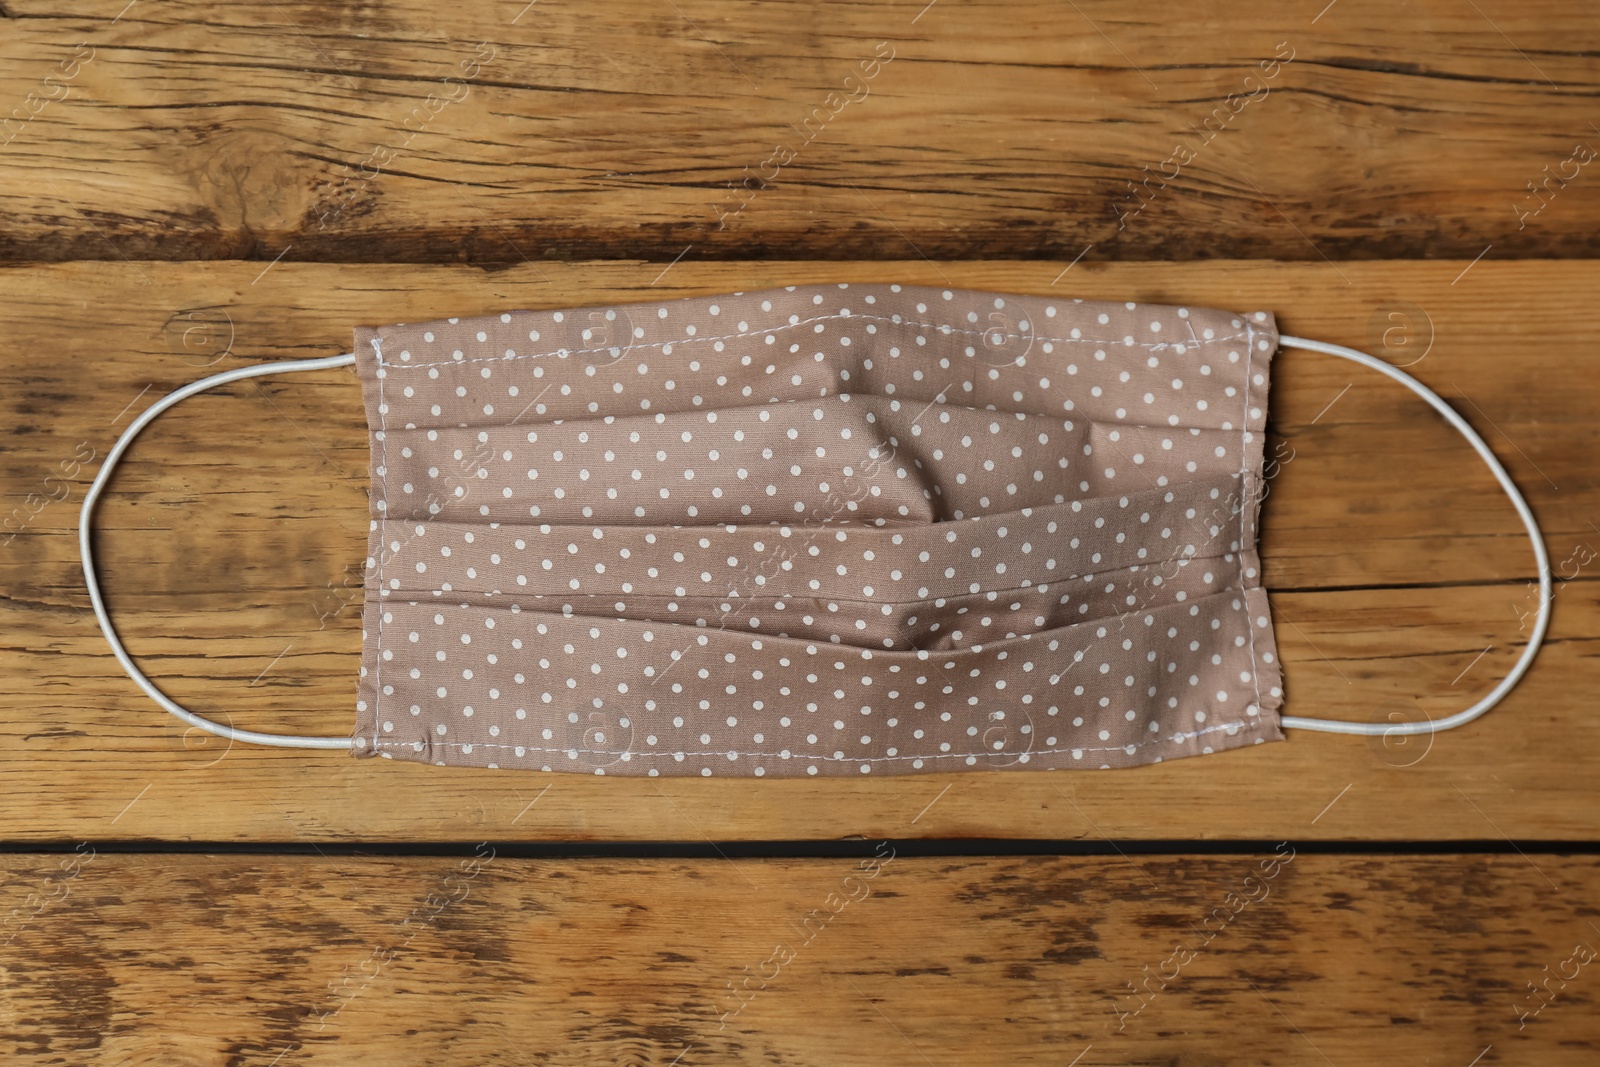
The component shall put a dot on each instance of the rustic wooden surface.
(995, 130)
(187, 188)
(1278, 958)
(233, 529)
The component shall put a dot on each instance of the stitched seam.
(383, 540)
(943, 327)
(1244, 505)
(1242, 725)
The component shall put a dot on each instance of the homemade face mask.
(818, 530)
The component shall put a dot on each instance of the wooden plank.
(495, 133)
(232, 541)
(1281, 958)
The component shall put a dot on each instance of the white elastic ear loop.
(93, 582)
(1337, 726)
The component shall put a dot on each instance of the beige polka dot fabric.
(820, 530)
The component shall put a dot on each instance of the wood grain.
(724, 129)
(232, 540)
(1280, 958)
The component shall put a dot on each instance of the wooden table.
(190, 188)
